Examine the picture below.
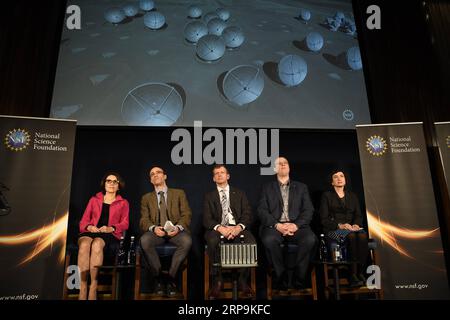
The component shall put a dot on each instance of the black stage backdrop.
(133, 151)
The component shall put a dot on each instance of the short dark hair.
(346, 175)
(333, 172)
(218, 166)
(156, 166)
(119, 178)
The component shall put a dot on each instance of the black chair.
(165, 252)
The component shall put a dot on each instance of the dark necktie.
(163, 217)
(225, 209)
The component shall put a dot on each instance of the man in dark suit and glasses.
(159, 207)
(226, 213)
(285, 211)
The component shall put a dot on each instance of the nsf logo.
(17, 140)
(376, 145)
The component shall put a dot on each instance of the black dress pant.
(358, 247)
(304, 238)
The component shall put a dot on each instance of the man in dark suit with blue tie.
(285, 211)
(226, 213)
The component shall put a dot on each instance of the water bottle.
(121, 254)
(220, 257)
(336, 249)
(131, 259)
(323, 250)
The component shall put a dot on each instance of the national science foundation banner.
(401, 211)
(36, 158)
(443, 137)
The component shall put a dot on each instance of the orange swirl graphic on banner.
(44, 238)
(387, 232)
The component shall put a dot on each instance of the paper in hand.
(169, 227)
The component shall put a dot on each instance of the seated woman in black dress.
(105, 219)
(341, 218)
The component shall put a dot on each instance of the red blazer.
(118, 214)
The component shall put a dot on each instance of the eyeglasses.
(114, 182)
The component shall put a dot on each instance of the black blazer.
(240, 208)
(333, 211)
(270, 205)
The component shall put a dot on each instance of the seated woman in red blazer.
(105, 219)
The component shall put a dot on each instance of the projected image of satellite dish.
(154, 20)
(130, 10)
(233, 37)
(146, 5)
(216, 26)
(292, 70)
(339, 17)
(223, 14)
(349, 27)
(194, 30)
(243, 84)
(210, 48)
(354, 58)
(114, 15)
(334, 25)
(194, 12)
(152, 104)
(314, 41)
(305, 15)
(209, 16)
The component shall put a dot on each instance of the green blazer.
(178, 209)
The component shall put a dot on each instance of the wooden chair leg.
(314, 283)
(206, 276)
(269, 284)
(326, 282)
(379, 293)
(253, 280)
(137, 278)
(184, 283)
(113, 283)
(65, 289)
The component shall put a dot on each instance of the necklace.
(108, 200)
